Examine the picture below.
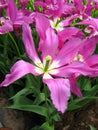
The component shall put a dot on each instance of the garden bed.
(79, 119)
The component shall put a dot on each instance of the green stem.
(15, 44)
(48, 119)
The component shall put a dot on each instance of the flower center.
(56, 24)
(47, 67)
(2, 22)
(79, 57)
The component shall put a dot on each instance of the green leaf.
(87, 85)
(34, 83)
(35, 128)
(21, 102)
(92, 92)
(39, 99)
(92, 128)
(23, 92)
(46, 126)
(78, 103)
(84, 82)
(31, 108)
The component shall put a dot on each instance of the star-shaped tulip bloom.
(54, 66)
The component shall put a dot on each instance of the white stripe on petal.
(39, 70)
(54, 71)
(46, 76)
(55, 64)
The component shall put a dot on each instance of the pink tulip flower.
(55, 67)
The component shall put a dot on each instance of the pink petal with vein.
(29, 43)
(77, 67)
(68, 51)
(19, 69)
(60, 92)
(12, 10)
(50, 44)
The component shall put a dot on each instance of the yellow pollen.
(39, 64)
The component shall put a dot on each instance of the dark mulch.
(80, 119)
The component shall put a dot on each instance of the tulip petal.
(92, 61)
(50, 44)
(68, 32)
(41, 26)
(29, 43)
(6, 27)
(69, 20)
(48, 39)
(60, 92)
(92, 22)
(89, 46)
(68, 52)
(79, 5)
(12, 10)
(19, 69)
(77, 67)
(74, 87)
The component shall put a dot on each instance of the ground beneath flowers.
(79, 119)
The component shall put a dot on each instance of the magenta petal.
(68, 32)
(60, 92)
(89, 46)
(79, 5)
(50, 44)
(42, 24)
(92, 22)
(92, 61)
(6, 27)
(69, 20)
(74, 87)
(12, 10)
(69, 51)
(19, 69)
(3, 6)
(77, 67)
(29, 43)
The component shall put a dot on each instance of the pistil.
(48, 59)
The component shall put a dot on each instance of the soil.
(13, 119)
(79, 119)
